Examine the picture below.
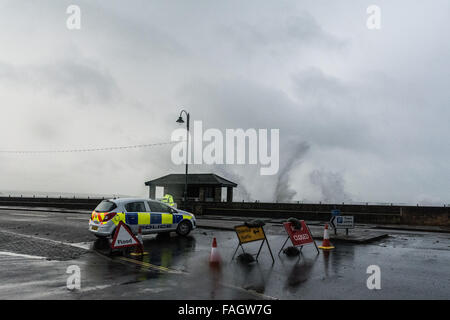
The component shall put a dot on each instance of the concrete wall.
(378, 214)
(64, 203)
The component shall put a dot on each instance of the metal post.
(180, 120)
(268, 246)
(187, 159)
(314, 241)
(239, 245)
(257, 255)
(283, 245)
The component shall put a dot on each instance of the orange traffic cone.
(326, 244)
(214, 257)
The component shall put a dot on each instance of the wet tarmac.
(414, 265)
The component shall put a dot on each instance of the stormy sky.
(363, 114)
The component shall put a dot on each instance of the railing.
(359, 203)
(110, 196)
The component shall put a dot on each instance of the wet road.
(37, 247)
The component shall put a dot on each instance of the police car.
(152, 216)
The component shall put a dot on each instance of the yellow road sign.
(246, 234)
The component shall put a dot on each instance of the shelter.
(201, 187)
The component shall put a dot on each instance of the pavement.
(37, 247)
(358, 235)
(397, 227)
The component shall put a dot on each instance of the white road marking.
(29, 215)
(12, 254)
(30, 284)
(24, 219)
(82, 245)
(78, 245)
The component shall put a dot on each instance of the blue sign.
(342, 222)
(335, 212)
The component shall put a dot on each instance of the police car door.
(136, 215)
(161, 218)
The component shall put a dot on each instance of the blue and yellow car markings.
(143, 218)
(155, 218)
(149, 218)
(167, 218)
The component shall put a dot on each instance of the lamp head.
(180, 120)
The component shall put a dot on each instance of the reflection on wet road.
(340, 273)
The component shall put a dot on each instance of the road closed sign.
(299, 237)
(123, 237)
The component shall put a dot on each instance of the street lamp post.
(180, 120)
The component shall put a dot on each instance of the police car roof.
(125, 200)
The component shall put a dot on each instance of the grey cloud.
(330, 113)
(79, 81)
(286, 37)
(144, 38)
(47, 131)
(220, 101)
(372, 106)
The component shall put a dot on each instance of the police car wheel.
(184, 228)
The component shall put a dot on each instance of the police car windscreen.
(105, 206)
